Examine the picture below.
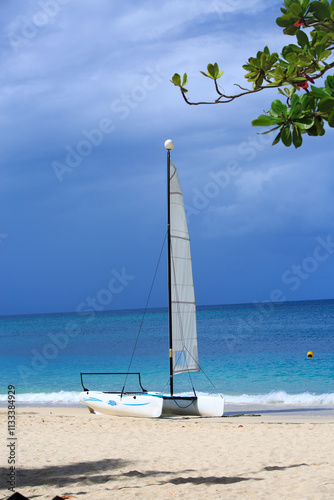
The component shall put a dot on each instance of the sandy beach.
(262, 454)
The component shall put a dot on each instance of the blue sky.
(86, 105)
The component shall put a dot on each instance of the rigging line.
(208, 378)
(144, 313)
(200, 368)
(184, 407)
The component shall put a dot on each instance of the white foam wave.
(282, 397)
(278, 397)
(63, 397)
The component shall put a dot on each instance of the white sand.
(273, 456)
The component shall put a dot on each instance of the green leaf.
(213, 70)
(286, 51)
(288, 3)
(176, 79)
(264, 121)
(259, 81)
(304, 4)
(296, 9)
(214, 73)
(286, 20)
(277, 138)
(320, 92)
(331, 119)
(329, 83)
(291, 30)
(294, 100)
(291, 57)
(252, 75)
(280, 91)
(307, 101)
(273, 58)
(185, 80)
(286, 136)
(320, 10)
(254, 61)
(296, 107)
(325, 54)
(304, 123)
(326, 105)
(302, 39)
(278, 108)
(263, 59)
(280, 71)
(296, 137)
(317, 128)
(248, 67)
(269, 131)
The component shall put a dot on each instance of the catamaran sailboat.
(183, 354)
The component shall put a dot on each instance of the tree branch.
(224, 99)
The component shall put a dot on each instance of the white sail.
(183, 308)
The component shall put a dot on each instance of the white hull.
(200, 406)
(126, 405)
(152, 405)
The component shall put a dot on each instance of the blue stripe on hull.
(136, 404)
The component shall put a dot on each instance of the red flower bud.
(302, 85)
(299, 23)
(308, 78)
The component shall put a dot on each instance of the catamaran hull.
(200, 406)
(152, 405)
(126, 405)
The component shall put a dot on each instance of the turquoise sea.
(252, 353)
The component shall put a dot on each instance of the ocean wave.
(63, 397)
(278, 397)
(282, 397)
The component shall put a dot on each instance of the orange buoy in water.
(310, 354)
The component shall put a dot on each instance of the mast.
(169, 145)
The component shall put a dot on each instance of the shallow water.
(252, 353)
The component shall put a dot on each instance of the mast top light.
(169, 144)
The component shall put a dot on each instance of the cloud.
(293, 197)
(88, 62)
